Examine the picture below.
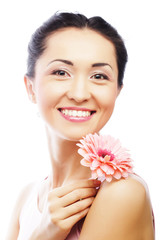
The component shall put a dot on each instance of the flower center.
(104, 152)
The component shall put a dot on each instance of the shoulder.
(128, 192)
(127, 198)
(124, 206)
(13, 228)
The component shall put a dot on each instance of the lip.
(76, 118)
(77, 109)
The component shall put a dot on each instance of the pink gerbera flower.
(105, 156)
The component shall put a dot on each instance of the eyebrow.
(71, 64)
(101, 65)
(61, 60)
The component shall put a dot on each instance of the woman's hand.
(64, 207)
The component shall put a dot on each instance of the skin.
(70, 73)
(78, 87)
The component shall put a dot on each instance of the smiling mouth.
(76, 113)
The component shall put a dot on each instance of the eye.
(60, 73)
(100, 76)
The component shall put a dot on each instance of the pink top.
(30, 218)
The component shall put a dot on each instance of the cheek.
(107, 99)
(48, 97)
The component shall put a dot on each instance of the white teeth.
(75, 113)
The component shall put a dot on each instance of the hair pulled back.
(37, 44)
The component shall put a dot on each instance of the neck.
(65, 161)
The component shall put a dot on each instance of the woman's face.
(75, 84)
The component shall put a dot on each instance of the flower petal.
(108, 178)
(100, 173)
(105, 156)
(94, 174)
(117, 174)
(95, 164)
(85, 163)
(107, 169)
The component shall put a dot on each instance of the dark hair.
(37, 44)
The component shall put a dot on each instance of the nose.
(79, 90)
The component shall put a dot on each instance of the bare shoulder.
(13, 228)
(121, 210)
(130, 191)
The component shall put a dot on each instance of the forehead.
(79, 44)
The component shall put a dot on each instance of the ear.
(30, 89)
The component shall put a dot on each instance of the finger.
(75, 208)
(71, 221)
(71, 198)
(76, 195)
(61, 191)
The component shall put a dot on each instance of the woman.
(75, 73)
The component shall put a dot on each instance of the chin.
(74, 133)
(75, 136)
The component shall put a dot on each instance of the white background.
(23, 148)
